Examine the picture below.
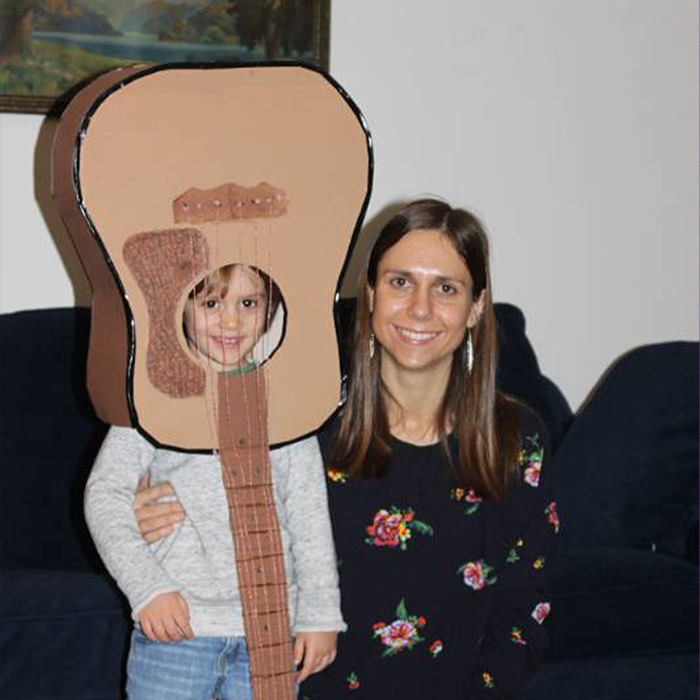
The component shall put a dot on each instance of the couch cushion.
(641, 677)
(627, 470)
(63, 635)
(621, 601)
(48, 439)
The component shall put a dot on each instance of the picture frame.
(49, 50)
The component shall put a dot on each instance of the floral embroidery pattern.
(533, 459)
(353, 683)
(538, 563)
(402, 633)
(477, 574)
(539, 614)
(470, 496)
(436, 647)
(516, 636)
(552, 518)
(339, 477)
(392, 528)
(488, 680)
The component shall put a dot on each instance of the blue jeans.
(199, 669)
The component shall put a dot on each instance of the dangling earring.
(371, 345)
(470, 352)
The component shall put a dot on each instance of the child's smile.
(225, 320)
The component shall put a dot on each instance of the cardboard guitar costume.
(163, 175)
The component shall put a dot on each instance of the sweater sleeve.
(515, 637)
(313, 551)
(124, 457)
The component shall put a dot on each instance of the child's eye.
(249, 303)
(210, 304)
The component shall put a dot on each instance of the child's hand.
(317, 649)
(166, 618)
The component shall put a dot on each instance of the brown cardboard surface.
(169, 131)
(107, 358)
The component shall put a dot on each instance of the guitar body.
(165, 174)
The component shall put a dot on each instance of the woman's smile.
(415, 337)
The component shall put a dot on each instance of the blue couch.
(625, 614)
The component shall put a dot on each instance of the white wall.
(571, 128)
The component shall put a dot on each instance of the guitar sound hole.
(234, 318)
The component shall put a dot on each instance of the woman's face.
(422, 303)
(224, 324)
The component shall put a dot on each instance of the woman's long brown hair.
(483, 421)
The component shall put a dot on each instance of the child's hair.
(219, 279)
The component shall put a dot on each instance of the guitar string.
(260, 381)
(275, 535)
(246, 563)
(236, 456)
(233, 454)
(209, 403)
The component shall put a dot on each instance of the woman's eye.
(447, 289)
(398, 282)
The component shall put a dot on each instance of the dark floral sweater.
(444, 593)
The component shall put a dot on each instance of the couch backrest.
(627, 470)
(48, 439)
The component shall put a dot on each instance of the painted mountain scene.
(49, 46)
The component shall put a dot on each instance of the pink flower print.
(402, 633)
(436, 647)
(477, 574)
(552, 518)
(470, 496)
(533, 459)
(474, 501)
(384, 531)
(539, 614)
(532, 474)
(516, 636)
(353, 683)
(393, 528)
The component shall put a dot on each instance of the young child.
(189, 639)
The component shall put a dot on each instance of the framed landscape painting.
(50, 47)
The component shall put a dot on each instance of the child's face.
(226, 328)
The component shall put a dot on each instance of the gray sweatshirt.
(198, 558)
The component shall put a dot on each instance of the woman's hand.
(156, 518)
(316, 649)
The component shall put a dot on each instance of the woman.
(442, 511)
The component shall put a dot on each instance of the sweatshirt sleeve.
(515, 637)
(124, 457)
(313, 551)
